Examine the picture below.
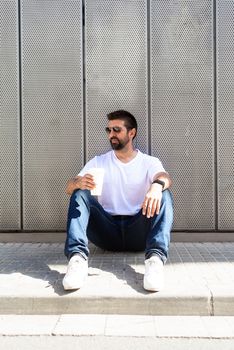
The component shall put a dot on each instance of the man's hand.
(152, 201)
(86, 182)
(80, 182)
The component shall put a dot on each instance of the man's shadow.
(41, 264)
(36, 265)
(126, 273)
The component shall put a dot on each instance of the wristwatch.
(160, 182)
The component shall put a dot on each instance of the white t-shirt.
(125, 184)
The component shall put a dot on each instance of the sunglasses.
(116, 129)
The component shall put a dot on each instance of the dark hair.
(129, 120)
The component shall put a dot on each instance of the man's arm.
(152, 201)
(80, 182)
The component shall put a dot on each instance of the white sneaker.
(154, 276)
(77, 272)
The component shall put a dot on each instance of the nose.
(111, 132)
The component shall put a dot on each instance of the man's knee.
(78, 194)
(167, 206)
(167, 198)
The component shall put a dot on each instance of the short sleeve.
(155, 167)
(90, 164)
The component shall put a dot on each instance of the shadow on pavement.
(47, 262)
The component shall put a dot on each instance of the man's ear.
(132, 132)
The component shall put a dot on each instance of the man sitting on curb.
(133, 213)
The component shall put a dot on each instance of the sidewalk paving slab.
(140, 326)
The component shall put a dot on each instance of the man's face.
(118, 134)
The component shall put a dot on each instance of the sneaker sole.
(71, 288)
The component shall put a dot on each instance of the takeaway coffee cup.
(98, 175)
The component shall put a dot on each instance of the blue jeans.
(87, 220)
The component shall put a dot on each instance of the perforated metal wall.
(180, 128)
(52, 108)
(116, 67)
(225, 109)
(182, 118)
(9, 118)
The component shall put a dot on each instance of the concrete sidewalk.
(199, 282)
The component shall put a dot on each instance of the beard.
(118, 145)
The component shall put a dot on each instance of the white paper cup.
(98, 175)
